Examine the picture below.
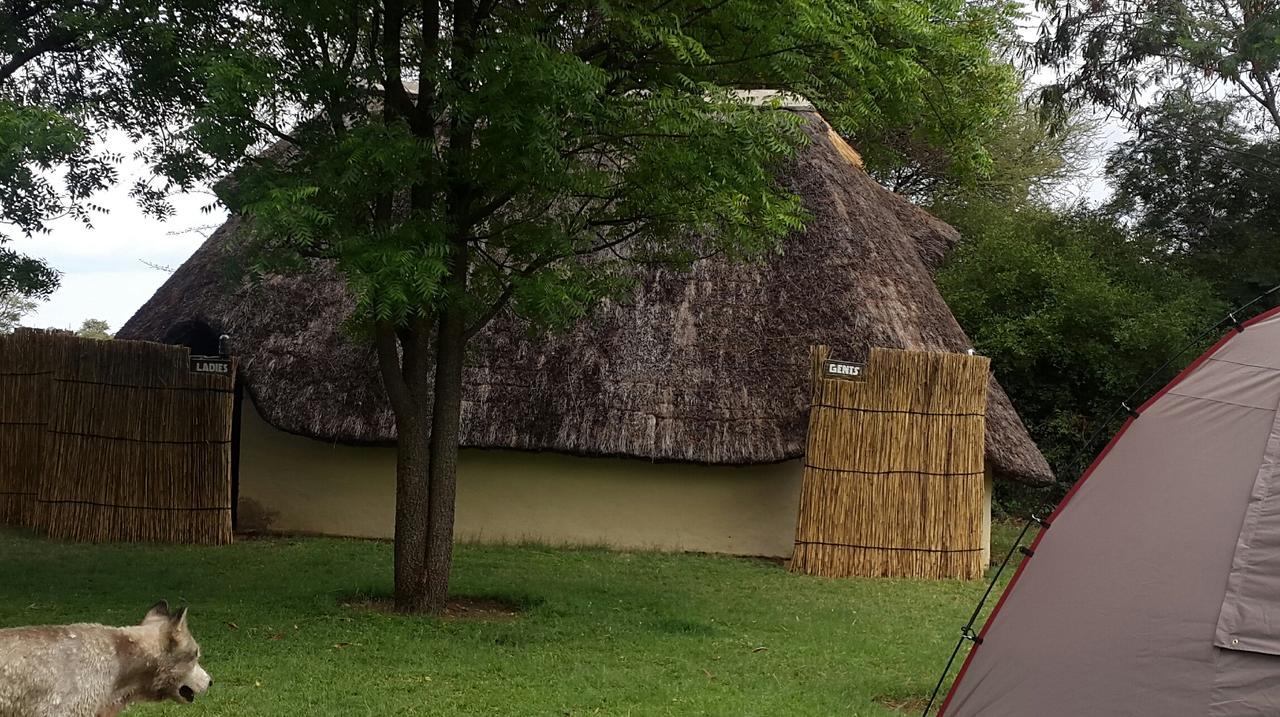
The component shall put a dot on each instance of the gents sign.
(211, 364)
(843, 369)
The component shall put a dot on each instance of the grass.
(601, 633)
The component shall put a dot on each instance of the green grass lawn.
(602, 633)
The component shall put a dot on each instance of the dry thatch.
(706, 366)
(905, 499)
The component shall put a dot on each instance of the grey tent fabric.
(1250, 617)
(1156, 588)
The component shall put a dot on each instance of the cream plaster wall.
(299, 485)
(293, 484)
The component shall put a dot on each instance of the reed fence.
(119, 440)
(25, 378)
(894, 470)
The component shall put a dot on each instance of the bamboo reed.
(128, 444)
(893, 481)
(24, 386)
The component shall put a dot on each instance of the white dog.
(99, 671)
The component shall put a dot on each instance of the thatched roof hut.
(707, 366)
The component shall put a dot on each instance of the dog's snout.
(211, 680)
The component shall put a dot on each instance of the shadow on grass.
(488, 607)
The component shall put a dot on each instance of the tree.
(70, 71)
(1075, 309)
(910, 158)
(457, 160)
(1026, 158)
(94, 329)
(24, 276)
(1030, 162)
(1128, 54)
(1209, 191)
(13, 307)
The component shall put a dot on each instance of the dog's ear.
(179, 620)
(159, 611)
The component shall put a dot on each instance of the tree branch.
(508, 291)
(274, 131)
(424, 115)
(387, 345)
(52, 42)
(395, 96)
(494, 309)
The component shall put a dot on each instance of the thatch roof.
(707, 366)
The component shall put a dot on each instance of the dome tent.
(1155, 588)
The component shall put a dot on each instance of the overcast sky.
(103, 271)
(104, 267)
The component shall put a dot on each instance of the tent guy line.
(966, 632)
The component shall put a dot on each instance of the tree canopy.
(13, 306)
(1208, 190)
(94, 329)
(1075, 311)
(456, 160)
(1030, 161)
(70, 72)
(1126, 55)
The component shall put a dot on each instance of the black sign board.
(211, 364)
(844, 369)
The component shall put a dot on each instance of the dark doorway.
(204, 341)
(195, 335)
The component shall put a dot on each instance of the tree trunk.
(451, 327)
(412, 512)
(445, 434)
(401, 360)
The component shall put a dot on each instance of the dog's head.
(178, 675)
